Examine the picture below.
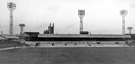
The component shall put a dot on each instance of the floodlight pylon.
(123, 13)
(11, 6)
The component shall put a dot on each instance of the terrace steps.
(80, 44)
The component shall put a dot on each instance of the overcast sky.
(101, 16)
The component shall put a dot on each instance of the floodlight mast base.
(123, 25)
(11, 23)
(129, 31)
(81, 23)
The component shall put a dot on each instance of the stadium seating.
(108, 42)
(31, 43)
(70, 44)
(59, 45)
(81, 43)
(92, 42)
(45, 45)
(121, 42)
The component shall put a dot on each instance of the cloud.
(53, 8)
(133, 6)
(70, 26)
(4, 28)
(38, 28)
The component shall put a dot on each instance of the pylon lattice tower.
(81, 14)
(11, 6)
(123, 13)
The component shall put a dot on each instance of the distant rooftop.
(2, 38)
(30, 34)
(84, 35)
(9, 36)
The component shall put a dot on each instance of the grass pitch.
(77, 55)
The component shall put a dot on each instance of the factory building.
(46, 32)
(50, 29)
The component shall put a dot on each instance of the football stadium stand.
(80, 40)
(10, 41)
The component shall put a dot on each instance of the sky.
(101, 16)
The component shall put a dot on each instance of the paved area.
(84, 45)
(68, 45)
(1, 49)
(9, 48)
